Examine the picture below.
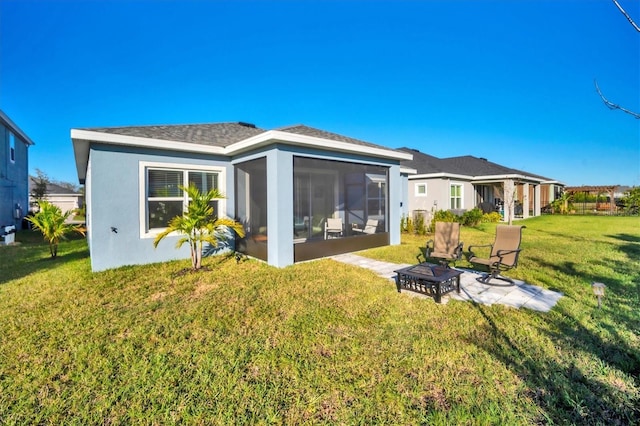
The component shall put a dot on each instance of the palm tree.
(53, 224)
(563, 204)
(199, 225)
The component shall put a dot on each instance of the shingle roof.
(475, 166)
(423, 163)
(52, 188)
(215, 134)
(310, 131)
(463, 165)
(219, 134)
(221, 137)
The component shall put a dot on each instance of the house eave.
(81, 154)
(82, 138)
(407, 170)
(440, 175)
(116, 139)
(477, 179)
(15, 129)
(497, 178)
(272, 136)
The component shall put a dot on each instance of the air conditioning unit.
(8, 234)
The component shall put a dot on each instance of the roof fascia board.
(408, 170)
(509, 176)
(312, 141)
(116, 139)
(441, 175)
(15, 129)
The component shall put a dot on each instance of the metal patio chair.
(503, 253)
(445, 245)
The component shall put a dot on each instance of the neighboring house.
(462, 183)
(14, 172)
(65, 198)
(282, 184)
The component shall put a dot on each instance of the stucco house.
(14, 172)
(285, 185)
(65, 198)
(462, 183)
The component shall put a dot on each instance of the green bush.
(471, 217)
(492, 217)
(442, 216)
(445, 216)
(419, 220)
(81, 211)
(584, 197)
(410, 228)
(631, 201)
(558, 206)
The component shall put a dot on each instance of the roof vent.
(484, 159)
(253, 126)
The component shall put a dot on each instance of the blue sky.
(511, 81)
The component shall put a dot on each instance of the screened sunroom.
(337, 207)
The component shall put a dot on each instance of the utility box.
(8, 234)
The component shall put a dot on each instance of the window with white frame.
(12, 147)
(165, 199)
(421, 189)
(456, 196)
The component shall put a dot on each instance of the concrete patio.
(519, 295)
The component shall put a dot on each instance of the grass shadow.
(626, 237)
(213, 261)
(631, 248)
(31, 255)
(564, 393)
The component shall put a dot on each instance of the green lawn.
(321, 342)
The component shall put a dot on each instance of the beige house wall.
(438, 195)
(64, 202)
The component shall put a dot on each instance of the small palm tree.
(198, 225)
(53, 224)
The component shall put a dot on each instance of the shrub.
(403, 223)
(492, 217)
(631, 201)
(563, 205)
(420, 228)
(442, 216)
(471, 217)
(81, 211)
(410, 229)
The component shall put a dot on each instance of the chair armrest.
(470, 249)
(503, 253)
(458, 250)
(428, 247)
(479, 245)
(470, 252)
(426, 253)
